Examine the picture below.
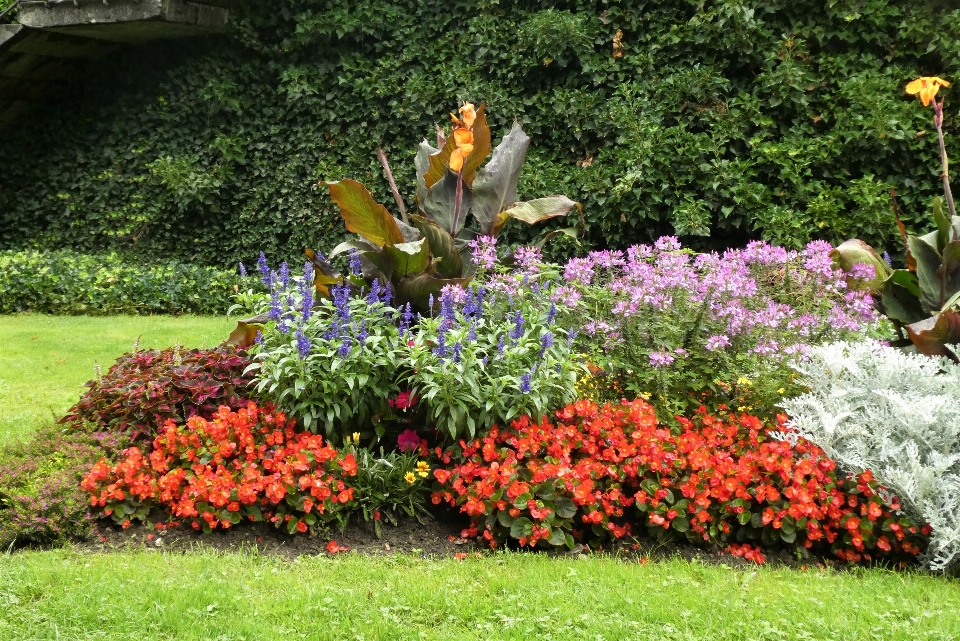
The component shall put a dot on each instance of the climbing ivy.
(719, 120)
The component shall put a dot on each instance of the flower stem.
(945, 176)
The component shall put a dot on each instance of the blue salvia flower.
(552, 314)
(284, 275)
(306, 291)
(243, 270)
(374, 296)
(355, 266)
(571, 335)
(363, 334)
(430, 305)
(344, 350)
(472, 334)
(886, 257)
(446, 310)
(264, 269)
(536, 288)
(405, 319)
(525, 383)
(282, 327)
(276, 310)
(441, 349)
(341, 301)
(290, 303)
(517, 332)
(557, 368)
(501, 345)
(387, 295)
(259, 338)
(485, 361)
(457, 348)
(303, 343)
(546, 342)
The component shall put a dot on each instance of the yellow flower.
(423, 469)
(409, 477)
(781, 391)
(926, 88)
(356, 437)
(743, 380)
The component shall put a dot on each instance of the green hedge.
(736, 118)
(64, 282)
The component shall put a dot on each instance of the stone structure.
(55, 39)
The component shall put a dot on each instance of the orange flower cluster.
(462, 136)
(246, 464)
(926, 88)
(597, 473)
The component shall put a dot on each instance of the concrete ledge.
(8, 31)
(132, 21)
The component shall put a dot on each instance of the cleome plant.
(923, 298)
(420, 254)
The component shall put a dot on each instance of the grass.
(45, 360)
(69, 594)
(66, 595)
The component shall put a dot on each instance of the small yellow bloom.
(781, 391)
(423, 469)
(926, 88)
(743, 381)
(409, 477)
(356, 437)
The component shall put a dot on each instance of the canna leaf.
(949, 272)
(854, 252)
(347, 245)
(408, 258)
(422, 162)
(534, 211)
(495, 186)
(442, 246)
(928, 261)
(244, 335)
(438, 163)
(363, 215)
(440, 203)
(417, 288)
(900, 297)
(934, 335)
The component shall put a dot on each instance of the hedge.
(718, 120)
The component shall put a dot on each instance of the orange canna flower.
(459, 155)
(462, 136)
(926, 88)
(468, 114)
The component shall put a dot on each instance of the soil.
(437, 537)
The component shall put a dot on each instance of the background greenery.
(45, 360)
(64, 282)
(737, 118)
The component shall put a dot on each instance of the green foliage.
(387, 485)
(768, 118)
(65, 282)
(40, 496)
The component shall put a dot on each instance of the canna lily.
(462, 135)
(926, 88)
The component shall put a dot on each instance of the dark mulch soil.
(437, 538)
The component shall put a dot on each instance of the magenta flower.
(408, 441)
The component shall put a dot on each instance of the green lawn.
(67, 594)
(45, 360)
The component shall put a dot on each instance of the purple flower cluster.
(761, 298)
(484, 251)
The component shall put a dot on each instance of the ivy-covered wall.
(720, 120)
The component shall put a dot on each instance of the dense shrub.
(250, 464)
(597, 474)
(770, 118)
(41, 501)
(64, 282)
(144, 390)
(878, 408)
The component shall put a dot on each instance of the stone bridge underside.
(55, 39)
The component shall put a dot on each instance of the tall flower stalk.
(925, 89)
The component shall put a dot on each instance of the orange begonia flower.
(926, 88)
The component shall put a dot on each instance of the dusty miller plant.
(874, 407)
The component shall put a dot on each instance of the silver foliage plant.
(874, 407)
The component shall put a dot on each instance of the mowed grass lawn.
(45, 360)
(68, 594)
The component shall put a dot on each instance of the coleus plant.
(428, 250)
(923, 298)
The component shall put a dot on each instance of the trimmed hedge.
(64, 282)
(736, 118)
